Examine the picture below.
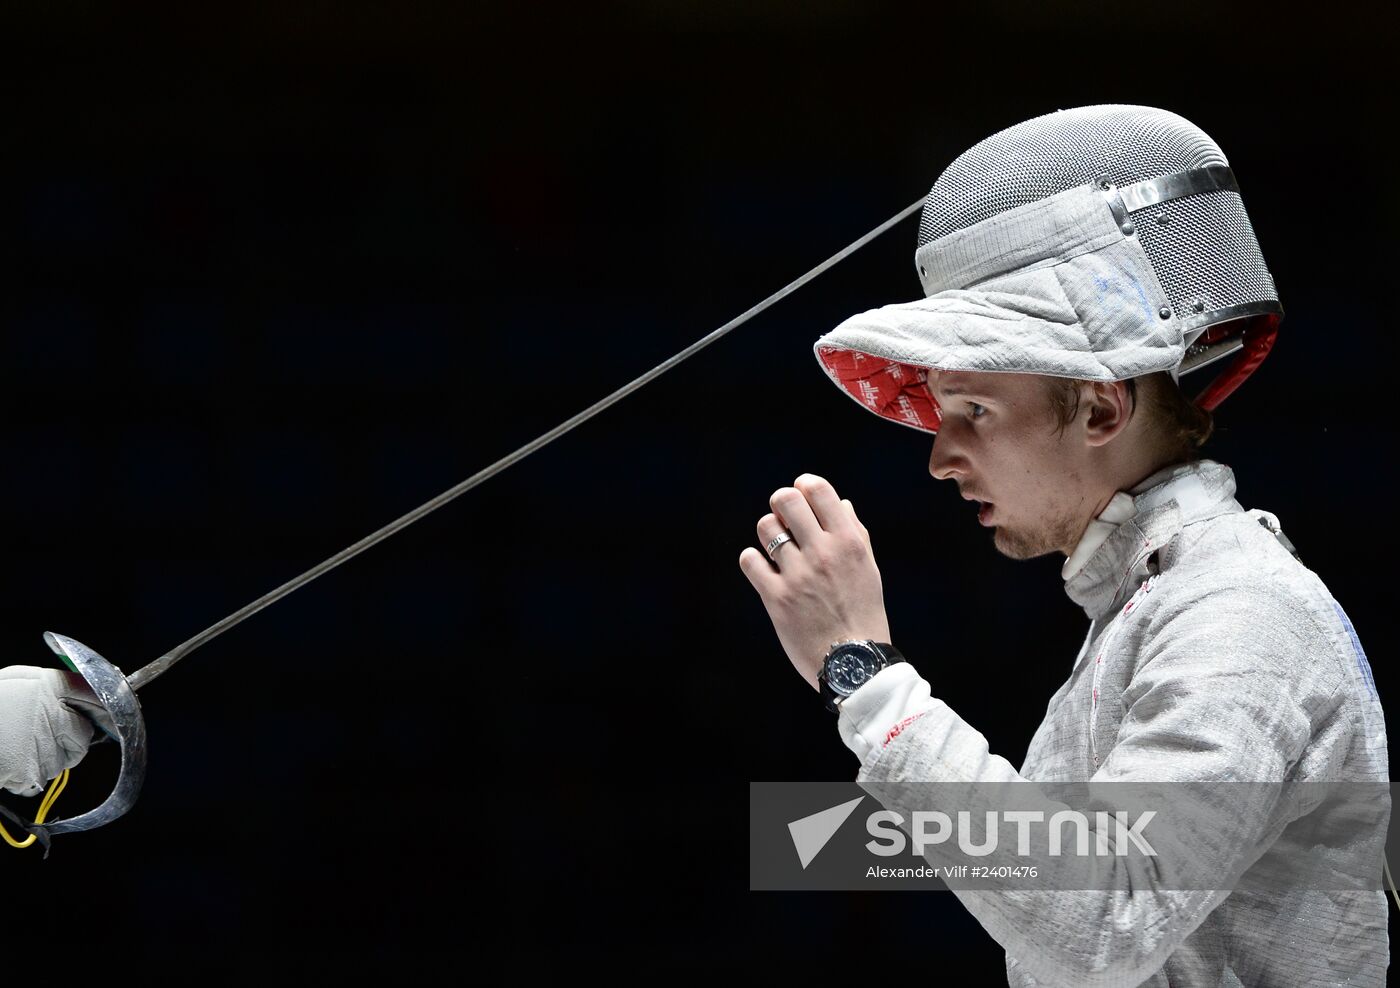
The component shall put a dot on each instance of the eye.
(976, 410)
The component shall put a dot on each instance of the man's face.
(999, 440)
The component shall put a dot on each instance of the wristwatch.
(850, 665)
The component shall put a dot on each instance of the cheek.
(1023, 468)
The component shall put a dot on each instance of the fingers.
(807, 511)
(810, 506)
(825, 505)
(851, 510)
(91, 709)
(72, 734)
(795, 514)
(759, 570)
(770, 527)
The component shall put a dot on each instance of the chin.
(1020, 545)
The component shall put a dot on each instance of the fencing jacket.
(1212, 654)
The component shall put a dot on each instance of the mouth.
(984, 508)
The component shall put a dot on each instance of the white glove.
(45, 725)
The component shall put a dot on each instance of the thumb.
(78, 696)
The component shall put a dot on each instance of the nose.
(946, 461)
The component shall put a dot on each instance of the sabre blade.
(149, 672)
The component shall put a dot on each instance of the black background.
(280, 273)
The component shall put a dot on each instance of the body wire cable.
(149, 672)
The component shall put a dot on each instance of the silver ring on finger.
(779, 539)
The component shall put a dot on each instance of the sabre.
(117, 691)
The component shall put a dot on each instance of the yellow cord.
(44, 806)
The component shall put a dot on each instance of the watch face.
(851, 666)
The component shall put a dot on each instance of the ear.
(1110, 408)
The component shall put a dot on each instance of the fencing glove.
(46, 725)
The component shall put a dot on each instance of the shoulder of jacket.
(1277, 609)
(1238, 549)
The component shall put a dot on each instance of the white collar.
(1120, 508)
